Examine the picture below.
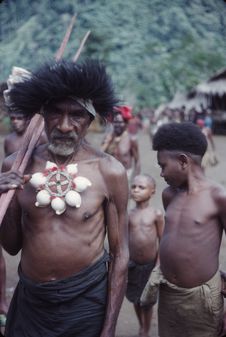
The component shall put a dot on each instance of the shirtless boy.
(68, 284)
(120, 144)
(190, 299)
(145, 231)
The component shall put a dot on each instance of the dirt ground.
(127, 323)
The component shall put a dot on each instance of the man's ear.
(183, 160)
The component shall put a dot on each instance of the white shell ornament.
(43, 198)
(37, 179)
(81, 183)
(73, 199)
(50, 165)
(72, 168)
(58, 205)
(59, 187)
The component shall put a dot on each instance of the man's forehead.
(17, 115)
(65, 102)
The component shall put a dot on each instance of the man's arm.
(136, 157)
(106, 141)
(117, 230)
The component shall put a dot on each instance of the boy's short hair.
(150, 179)
(186, 137)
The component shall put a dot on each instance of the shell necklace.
(59, 186)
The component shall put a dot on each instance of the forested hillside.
(152, 47)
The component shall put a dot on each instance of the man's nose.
(65, 124)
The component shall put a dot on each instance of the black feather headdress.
(62, 79)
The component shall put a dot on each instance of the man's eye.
(75, 117)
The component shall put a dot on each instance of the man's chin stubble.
(61, 150)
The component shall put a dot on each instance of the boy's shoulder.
(168, 194)
(218, 192)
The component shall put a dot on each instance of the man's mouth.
(63, 139)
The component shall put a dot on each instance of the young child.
(190, 293)
(145, 230)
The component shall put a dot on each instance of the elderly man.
(69, 285)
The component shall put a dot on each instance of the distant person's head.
(200, 122)
(122, 115)
(179, 146)
(142, 188)
(19, 122)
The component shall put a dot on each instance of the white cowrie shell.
(81, 183)
(73, 199)
(50, 165)
(43, 198)
(72, 168)
(37, 179)
(58, 205)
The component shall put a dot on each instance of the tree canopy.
(151, 48)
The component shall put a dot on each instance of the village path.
(127, 323)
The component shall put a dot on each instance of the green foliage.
(151, 48)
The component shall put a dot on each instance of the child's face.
(142, 189)
(171, 169)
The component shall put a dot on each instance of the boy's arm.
(220, 198)
(167, 196)
(159, 224)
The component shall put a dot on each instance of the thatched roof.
(215, 85)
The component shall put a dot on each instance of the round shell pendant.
(59, 186)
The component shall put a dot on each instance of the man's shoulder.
(8, 161)
(10, 137)
(110, 165)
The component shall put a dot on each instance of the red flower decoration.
(125, 111)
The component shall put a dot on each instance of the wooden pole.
(77, 54)
(61, 50)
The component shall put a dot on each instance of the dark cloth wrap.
(138, 275)
(72, 307)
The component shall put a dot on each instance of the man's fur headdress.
(87, 81)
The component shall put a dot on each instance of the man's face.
(119, 124)
(171, 168)
(142, 189)
(66, 123)
(19, 122)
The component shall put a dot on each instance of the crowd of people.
(82, 249)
